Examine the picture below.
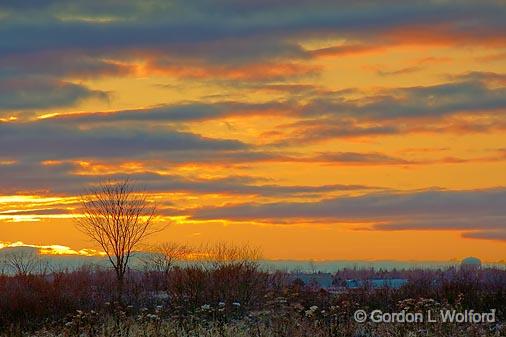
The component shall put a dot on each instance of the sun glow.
(4, 199)
(53, 249)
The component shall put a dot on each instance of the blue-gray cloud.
(476, 213)
(58, 64)
(44, 141)
(476, 226)
(65, 39)
(219, 32)
(455, 223)
(414, 102)
(40, 93)
(331, 114)
(67, 178)
(182, 112)
(378, 206)
(486, 235)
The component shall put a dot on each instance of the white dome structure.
(470, 263)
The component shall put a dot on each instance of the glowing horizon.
(57, 250)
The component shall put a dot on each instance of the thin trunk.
(120, 278)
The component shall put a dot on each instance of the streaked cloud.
(70, 179)
(378, 206)
(206, 34)
(414, 102)
(479, 214)
(184, 112)
(486, 235)
(39, 93)
(45, 141)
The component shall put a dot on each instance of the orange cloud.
(443, 34)
(247, 72)
(347, 50)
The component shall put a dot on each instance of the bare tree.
(23, 262)
(118, 217)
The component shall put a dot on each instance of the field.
(239, 299)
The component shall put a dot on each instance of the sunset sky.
(314, 129)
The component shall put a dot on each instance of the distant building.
(470, 263)
(392, 283)
(327, 282)
(315, 280)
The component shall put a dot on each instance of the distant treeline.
(33, 299)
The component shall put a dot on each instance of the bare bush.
(164, 256)
(226, 272)
(226, 254)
